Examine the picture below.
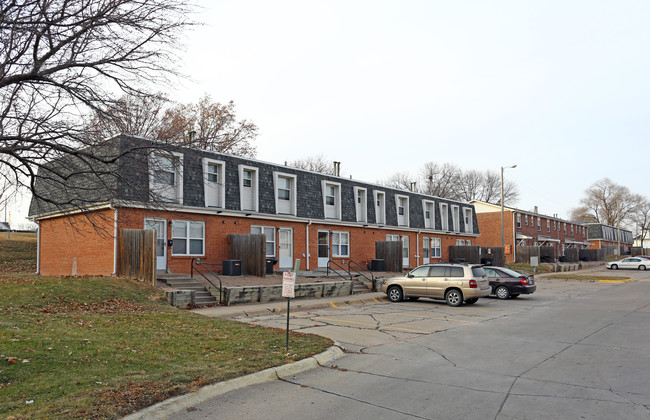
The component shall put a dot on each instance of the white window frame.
(436, 248)
(429, 205)
(518, 220)
(220, 184)
(539, 224)
(455, 217)
(273, 236)
(380, 209)
(468, 217)
(337, 244)
(548, 225)
(254, 185)
(398, 199)
(293, 192)
(177, 159)
(444, 217)
(337, 199)
(361, 194)
(187, 238)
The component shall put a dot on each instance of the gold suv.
(454, 283)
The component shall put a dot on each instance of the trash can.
(232, 267)
(270, 262)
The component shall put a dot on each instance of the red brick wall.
(60, 242)
(362, 240)
(89, 239)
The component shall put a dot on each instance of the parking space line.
(333, 305)
(364, 324)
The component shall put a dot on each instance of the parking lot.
(573, 349)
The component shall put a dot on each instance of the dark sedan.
(507, 283)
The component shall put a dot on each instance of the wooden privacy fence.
(571, 255)
(477, 255)
(137, 254)
(391, 253)
(545, 253)
(251, 250)
(637, 250)
(592, 255)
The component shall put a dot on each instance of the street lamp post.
(503, 245)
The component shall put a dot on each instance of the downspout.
(38, 248)
(114, 241)
(307, 239)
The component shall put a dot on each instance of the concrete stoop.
(196, 293)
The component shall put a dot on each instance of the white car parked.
(634, 263)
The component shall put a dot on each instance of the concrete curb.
(174, 405)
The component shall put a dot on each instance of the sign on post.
(288, 284)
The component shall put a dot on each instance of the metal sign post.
(288, 291)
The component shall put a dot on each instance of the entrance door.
(161, 241)
(323, 248)
(405, 251)
(426, 249)
(286, 248)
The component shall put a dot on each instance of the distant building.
(527, 228)
(4, 227)
(607, 237)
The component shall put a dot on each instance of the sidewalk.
(280, 306)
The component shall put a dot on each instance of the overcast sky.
(560, 88)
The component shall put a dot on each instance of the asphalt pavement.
(573, 349)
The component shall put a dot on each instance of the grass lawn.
(106, 347)
(17, 255)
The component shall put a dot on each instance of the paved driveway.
(571, 350)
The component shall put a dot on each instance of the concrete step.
(201, 295)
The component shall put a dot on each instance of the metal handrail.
(372, 277)
(339, 274)
(198, 262)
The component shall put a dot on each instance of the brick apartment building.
(525, 228)
(607, 237)
(210, 195)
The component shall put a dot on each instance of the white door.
(405, 251)
(425, 251)
(286, 248)
(323, 248)
(161, 241)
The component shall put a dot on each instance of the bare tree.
(608, 203)
(450, 181)
(399, 180)
(213, 125)
(60, 60)
(316, 163)
(135, 115)
(641, 219)
(440, 180)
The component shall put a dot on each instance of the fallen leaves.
(112, 305)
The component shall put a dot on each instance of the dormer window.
(166, 177)
(213, 182)
(248, 188)
(285, 193)
(331, 199)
